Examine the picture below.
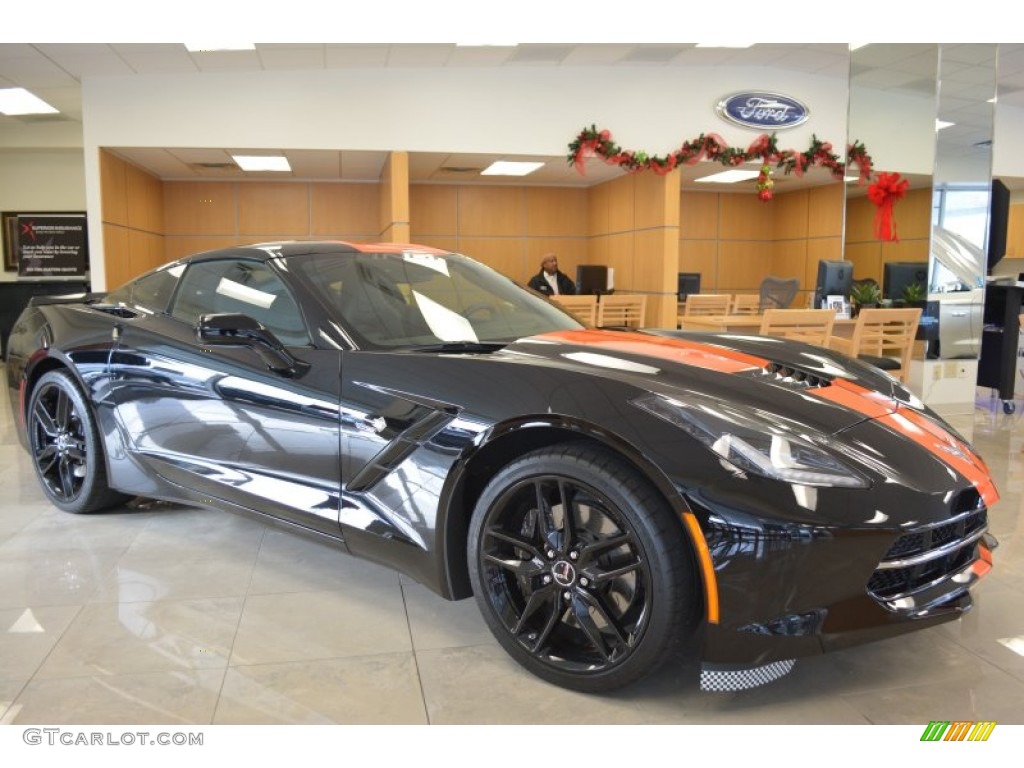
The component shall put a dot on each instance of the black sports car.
(604, 494)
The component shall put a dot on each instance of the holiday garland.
(594, 143)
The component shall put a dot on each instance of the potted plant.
(866, 294)
(914, 295)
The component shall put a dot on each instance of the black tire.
(67, 453)
(593, 600)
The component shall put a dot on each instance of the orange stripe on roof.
(394, 248)
(677, 350)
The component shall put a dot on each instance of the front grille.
(920, 558)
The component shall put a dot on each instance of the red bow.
(884, 193)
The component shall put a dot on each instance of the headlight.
(754, 445)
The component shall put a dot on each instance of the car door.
(215, 418)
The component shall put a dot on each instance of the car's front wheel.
(579, 568)
(65, 446)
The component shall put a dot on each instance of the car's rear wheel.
(579, 568)
(66, 448)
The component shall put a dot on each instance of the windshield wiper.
(455, 347)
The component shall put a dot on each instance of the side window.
(152, 291)
(244, 287)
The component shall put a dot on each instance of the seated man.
(550, 281)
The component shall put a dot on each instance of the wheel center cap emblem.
(564, 573)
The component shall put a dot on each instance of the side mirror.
(233, 329)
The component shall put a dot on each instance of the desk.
(748, 324)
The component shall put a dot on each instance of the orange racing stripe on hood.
(676, 350)
(916, 427)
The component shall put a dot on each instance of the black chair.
(778, 292)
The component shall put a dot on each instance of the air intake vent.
(792, 377)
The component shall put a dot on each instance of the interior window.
(243, 287)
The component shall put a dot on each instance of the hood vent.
(791, 376)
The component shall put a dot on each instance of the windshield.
(388, 300)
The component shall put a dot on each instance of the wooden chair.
(707, 304)
(583, 307)
(811, 326)
(621, 311)
(884, 338)
(746, 304)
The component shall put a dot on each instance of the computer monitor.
(689, 282)
(592, 279)
(834, 279)
(897, 275)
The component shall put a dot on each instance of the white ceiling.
(54, 72)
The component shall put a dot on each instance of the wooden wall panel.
(621, 204)
(344, 210)
(555, 211)
(742, 266)
(433, 210)
(826, 210)
(744, 217)
(789, 217)
(504, 254)
(827, 248)
(906, 250)
(599, 205)
(273, 209)
(145, 200)
(116, 256)
(913, 215)
(490, 211)
(700, 256)
(621, 256)
(656, 201)
(698, 215)
(789, 259)
(1015, 232)
(200, 208)
(867, 260)
(860, 220)
(113, 189)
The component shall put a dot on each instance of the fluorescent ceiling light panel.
(729, 177)
(262, 162)
(18, 101)
(940, 124)
(209, 47)
(509, 168)
(855, 46)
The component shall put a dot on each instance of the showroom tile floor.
(160, 614)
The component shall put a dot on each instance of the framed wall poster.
(41, 245)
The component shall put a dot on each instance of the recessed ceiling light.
(262, 162)
(940, 124)
(729, 177)
(724, 45)
(848, 179)
(18, 101)
(210, 47)
(855, 46)
(509, 168)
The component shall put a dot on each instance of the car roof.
(273, 250)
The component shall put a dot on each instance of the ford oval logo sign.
(760, 109)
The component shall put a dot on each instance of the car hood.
(823, 390)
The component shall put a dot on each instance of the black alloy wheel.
(65, 446)
(579, 568)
